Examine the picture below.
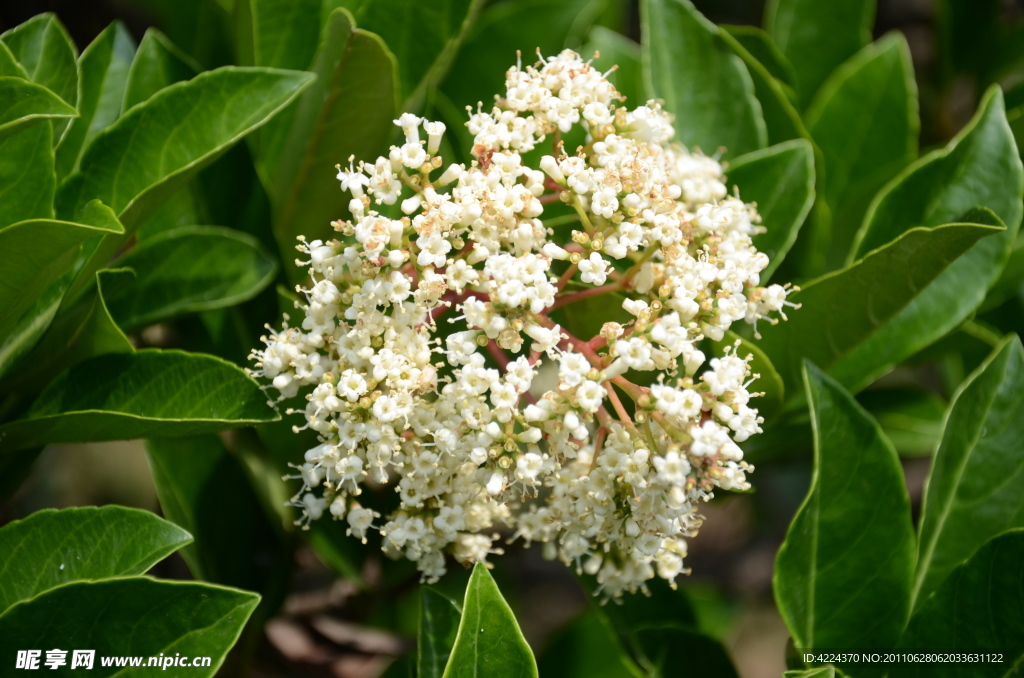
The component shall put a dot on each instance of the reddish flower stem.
(583, 294)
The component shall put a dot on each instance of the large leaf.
(423, 36)
(46, 52)
(973, 492)
(196, 268)
(27, 179)
(22, 101)
(204, 489)
(151, 152)
(439, 623)
(347, 112)
(104, 72)
(761, 47)
(865, 122)
(50, 548)
(9, 65)
(844, 309)
(157, 64)
(689, 65)
(818, 36)
(133, 617)
(780, 179)
(33, 255)
(279, 33)
(489, 642)
(980, 167)
(843, 574)
(145, 394)
(588, 648)
(979, 607)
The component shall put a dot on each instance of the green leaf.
(588, 648)
(715, 105)
(780, 180)
(439, 622)
(205, 489)
(157, 64)
(280, 33)
(27, 179)
(489, 642)
(348, 111)
(131, 616)
(818, 36)
(104, 72)
(22, 101)
(190, 269)
(980, 606)
(33, 255)
(145, 394)
(973, 491)
(843, 573)
(820, 672)
(423, 36)
(619, 51)
(667, 649)
(910, 417)
(9, 65)
(47, 54)
(155, 148)
(51, 547)
(760, 46)
(865, 122)
(979, 167)
(782, 120)
(843, 310)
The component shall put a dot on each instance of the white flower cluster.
(433, 357)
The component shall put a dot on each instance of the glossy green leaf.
(155, 148)
(623, 54)
(9, 65)
(979, 168)
(27, 179)
(505, 27)
(489, 642)
(973, 491)
(666, 650)
(760, 46)
(782, 120)
(439, 622)
(157, 64)
(423, 36)
(780, 180)
(843, 574)
(50, 548)
(33, 255)
(131, 616)
(205, 489)
(104, 72)
(715, 105)
(46, 52)
(348, 111)
(865, 122)
(145, 394)
(979, 607)
(37, 318)
(196, 268)
(22, 101)
(818, 36)
(843, 310)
